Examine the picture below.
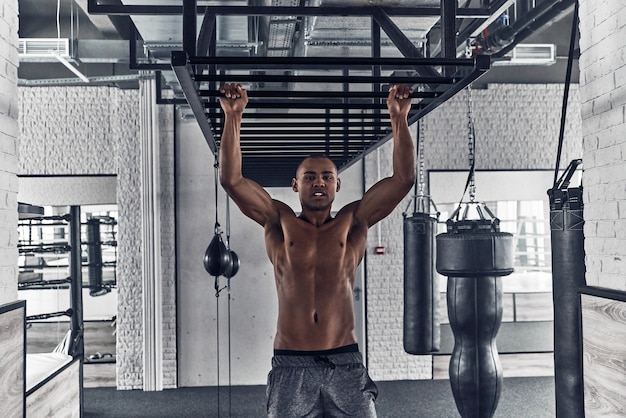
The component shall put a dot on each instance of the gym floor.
(521, 397)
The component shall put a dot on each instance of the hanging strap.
(568, 78)
(217, 295)
(471, 144)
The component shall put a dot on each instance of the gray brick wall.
(603, 97)
(517, 127)
(95, 130)
(9, 135)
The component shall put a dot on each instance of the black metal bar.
(448, 20)
(41, 283)
(376, 69)
(404, 44)
(318, 94)
(334, 152)
(603, 292)
(482, 65)
(205, 38)
(329, 62)
(95, 8)
(39, 317)
(320, 146)
(316, 79)
(183, 73)
(44, 248)
(282, 116)
(190, 8)
(302, 125)
(278, 133)
(265, 142)
(308, 104)
(159, 90)
(76, 288)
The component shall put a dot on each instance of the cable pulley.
(219, 259)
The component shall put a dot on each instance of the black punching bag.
(421, 289)
(568, 275)
(474, 255)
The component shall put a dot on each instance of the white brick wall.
(95, 130)
(168, 246)
(603, 96)
(517, 127)
(9, 134)
(602, 66)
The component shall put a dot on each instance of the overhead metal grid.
(302, 105)
(281, 127)
(346, 119)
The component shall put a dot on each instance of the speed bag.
(421, 333)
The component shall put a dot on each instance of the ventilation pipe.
(502, 39)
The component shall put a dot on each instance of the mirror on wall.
(44, 234)
(44, 277)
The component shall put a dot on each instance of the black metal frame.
(283, 125)
(271, 151)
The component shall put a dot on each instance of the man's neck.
(316, 218)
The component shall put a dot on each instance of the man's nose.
(319, 182)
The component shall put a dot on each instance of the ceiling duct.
(529, 54)
(35, 49)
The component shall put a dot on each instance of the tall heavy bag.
(421, 288)
(474, 261)
(568, 275)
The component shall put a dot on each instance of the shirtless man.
(317, 369)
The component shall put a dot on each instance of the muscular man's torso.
(314, 269)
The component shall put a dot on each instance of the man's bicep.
(380, 200)
(253, 201)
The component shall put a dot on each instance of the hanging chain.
(216, 167)
(471, 144)
(422, 182)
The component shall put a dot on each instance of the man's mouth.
(319, 194)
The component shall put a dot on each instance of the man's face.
(316, 183)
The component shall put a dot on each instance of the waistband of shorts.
(323, 358)
(350, 348)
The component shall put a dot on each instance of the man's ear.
(338, 184)
(294, 185)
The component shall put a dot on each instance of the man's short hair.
(318, 155)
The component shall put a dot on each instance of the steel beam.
(183, 72)
(482, 65)
(95, 7)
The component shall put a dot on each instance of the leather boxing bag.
(474, 258)
(421, 333)
(568, 275)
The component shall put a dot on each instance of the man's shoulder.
(349, 208)
(282, 207)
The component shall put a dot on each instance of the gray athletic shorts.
(320, 385)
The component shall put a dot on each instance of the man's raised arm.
(381, 199)
(251, 198)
